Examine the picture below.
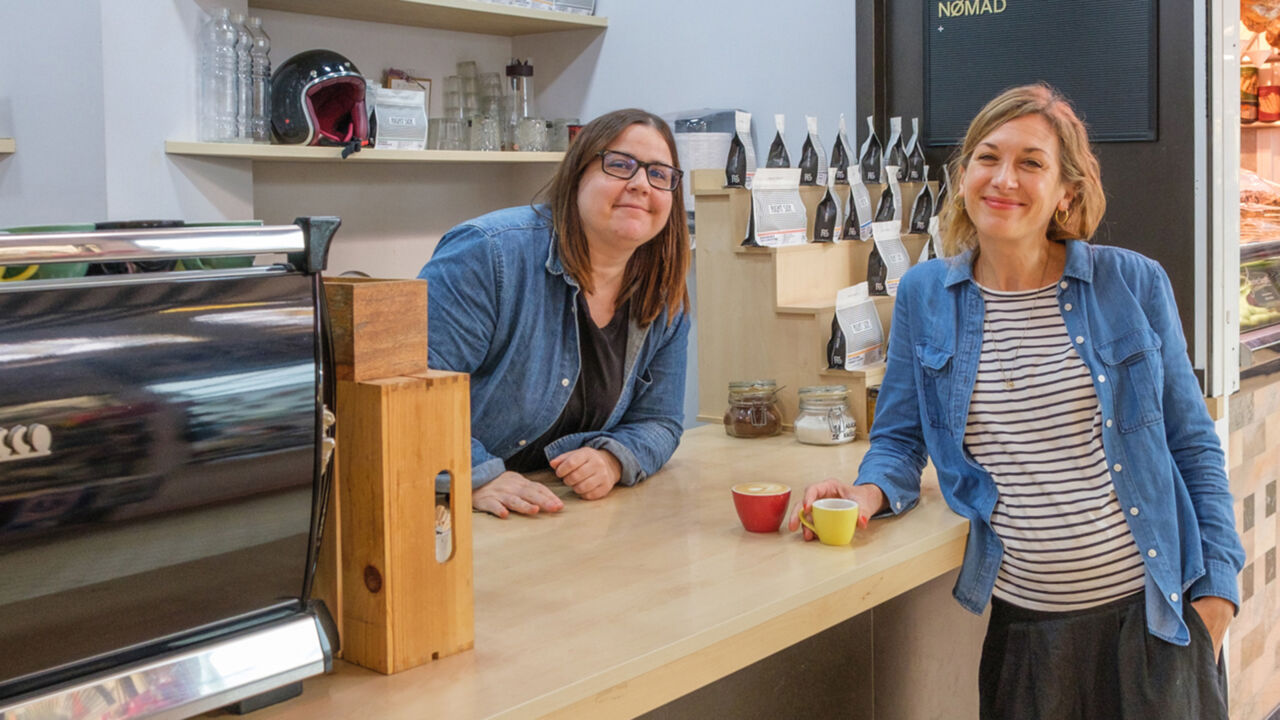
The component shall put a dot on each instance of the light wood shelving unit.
(470, 16)
(459, 15)
(8, 146)
(766, 312)
(300, 153)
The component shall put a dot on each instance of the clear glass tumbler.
(453, 134)
(531, 135)
(485, 134)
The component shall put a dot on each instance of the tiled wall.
(1254, 467)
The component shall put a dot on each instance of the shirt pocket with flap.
(936, 381)
(1136, 375)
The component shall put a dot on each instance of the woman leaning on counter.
(571, 318)
(1048, 380)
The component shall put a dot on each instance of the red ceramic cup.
(761, 505)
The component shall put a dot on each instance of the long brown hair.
(655, 274)
(1079, 167)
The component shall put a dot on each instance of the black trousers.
(1099, 663)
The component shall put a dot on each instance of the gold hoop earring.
(1062, 221)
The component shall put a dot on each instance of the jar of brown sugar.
(753, 409)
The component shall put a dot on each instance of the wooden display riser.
(766, 312)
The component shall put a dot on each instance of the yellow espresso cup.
(834, 520)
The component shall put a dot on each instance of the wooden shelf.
(457, 15)
(298, 153)
(767, 312)
(1259, 125)
(8, 146)
(871, 374)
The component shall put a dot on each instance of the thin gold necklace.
(986, 327)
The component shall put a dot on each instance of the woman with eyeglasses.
(572, 318)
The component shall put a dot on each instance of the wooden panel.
(379, 326)
(1217, 407)
(401, 606)
(432, 601)
(766, 312)
(460, 15)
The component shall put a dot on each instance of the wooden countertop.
(612, 608)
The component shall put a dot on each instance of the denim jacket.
(1167, 464)
(502, 308)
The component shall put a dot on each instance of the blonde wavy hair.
(1079, 167)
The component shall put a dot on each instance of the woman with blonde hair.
(1048, 380)
(572, 319)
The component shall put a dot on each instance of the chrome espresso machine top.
(163, 472)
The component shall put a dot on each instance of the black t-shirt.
(604, 355)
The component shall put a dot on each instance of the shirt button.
(1108, 422)
(1173, 597)
(1116, 467)
(1067, 307)
(564, 382)
(1079, 339)
(1063, 284)
(1102, 378)
(1151, 552)
(897, 505)
(1133, 511)
(522, 443)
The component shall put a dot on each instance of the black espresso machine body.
(163, 473)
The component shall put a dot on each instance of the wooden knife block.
(398, 606)
(379, 326)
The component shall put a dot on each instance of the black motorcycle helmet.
(317, 98)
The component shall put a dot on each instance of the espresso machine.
(164, 469)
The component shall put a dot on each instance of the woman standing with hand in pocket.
(1048, 380)
(572, 319)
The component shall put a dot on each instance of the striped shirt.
(1066, 544)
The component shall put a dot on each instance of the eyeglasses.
(621, 165)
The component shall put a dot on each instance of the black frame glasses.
(657, 182)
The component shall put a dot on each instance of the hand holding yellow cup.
(834, 520)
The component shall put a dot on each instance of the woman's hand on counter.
(512, 491)
(590, 472)
(870, 501)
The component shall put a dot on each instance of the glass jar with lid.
(753, 409)
(824, 417)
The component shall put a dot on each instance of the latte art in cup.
(761, 488)
(761, 505)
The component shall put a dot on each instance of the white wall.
(51, 103)
(94, 89)
(665, 56)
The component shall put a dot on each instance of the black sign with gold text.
(1100, 53)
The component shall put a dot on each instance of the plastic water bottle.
(244, 79)
(218, 79)
(260, 115)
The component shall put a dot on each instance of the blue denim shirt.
(502, 308)
(1167, 464)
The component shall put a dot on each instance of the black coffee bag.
(877, 273)
(884, 211)
(870, 157)
(836, 345)
(778, 157)
(826, 219)
(741, 163)
(840, 154)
